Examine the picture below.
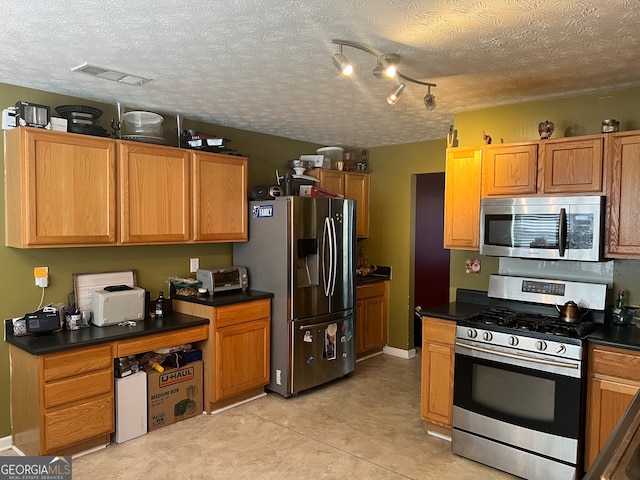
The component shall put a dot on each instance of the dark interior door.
(431, 258)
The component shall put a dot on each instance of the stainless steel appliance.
(519, 381)
(223, 279)
(303, 250)
(561, 228)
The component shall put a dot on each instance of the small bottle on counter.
(618, 313)
(160, 305)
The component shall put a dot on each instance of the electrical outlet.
(41, 275)
(194, 265)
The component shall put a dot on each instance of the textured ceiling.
(265, 65)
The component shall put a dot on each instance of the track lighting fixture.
(430, 100)
(386, 67)
(393, 98)
(342, 64)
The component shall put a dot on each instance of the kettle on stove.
(570, 312)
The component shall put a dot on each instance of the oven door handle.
(519, 357)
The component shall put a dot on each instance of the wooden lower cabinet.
(614, 379)
(438, 355)
(237, 355)
(62, 403)
(372, 317)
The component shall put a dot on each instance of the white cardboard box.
(131, 407)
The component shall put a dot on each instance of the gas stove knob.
(541, 345)
(513, 341)
(486, 336)
(472, 333)
(560, 349)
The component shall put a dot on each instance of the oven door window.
(529, 398)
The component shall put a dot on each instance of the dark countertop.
(468, 302)
(453, 311)
(373, 278)
(92, 335)
(620, 336)
(225, 298)
(66, 340)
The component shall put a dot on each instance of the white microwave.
(555, 228)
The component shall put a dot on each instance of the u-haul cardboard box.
(174, 395)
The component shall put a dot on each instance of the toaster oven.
(223, 279)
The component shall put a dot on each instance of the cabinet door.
(510, 169)
(241, 358)
(375, 323)
(462, 198)
(360, 326)
(437, 371)
(624, 215)
(572, 165)
(154, 194)
(60, 189)
(608, 401)
(356, 186)
(331, 180)
(219, 198)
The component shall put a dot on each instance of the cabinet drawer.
(441, 331)
(616, 363)
(371, 290)
(71, 425)
(161, 340)
(76, 362)
(242, 312)
(77, 388)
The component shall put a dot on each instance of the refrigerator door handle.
(326, 243)
(334, 252)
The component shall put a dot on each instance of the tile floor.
(366, 426)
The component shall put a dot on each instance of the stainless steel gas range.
(519, 385)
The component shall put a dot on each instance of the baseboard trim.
(6, 443)
(369, 356)
(399, 352)
(238, 403)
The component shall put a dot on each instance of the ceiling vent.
(110, 74)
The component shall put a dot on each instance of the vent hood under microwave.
(552, 228)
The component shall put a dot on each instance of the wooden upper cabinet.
(572, 165)
(462, 198)
(220, 203)
(623, 232)
(352, 185)
(356, 186)
(331, 180)
(60, 189)
(155, 202)
(510, 169)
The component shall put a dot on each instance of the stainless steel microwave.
(555, 228)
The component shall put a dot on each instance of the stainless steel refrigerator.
(303, 250)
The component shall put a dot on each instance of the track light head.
(395, 95)
(342, 64)
(386, 65)
(430, 100)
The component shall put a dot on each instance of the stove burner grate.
(531, 322)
